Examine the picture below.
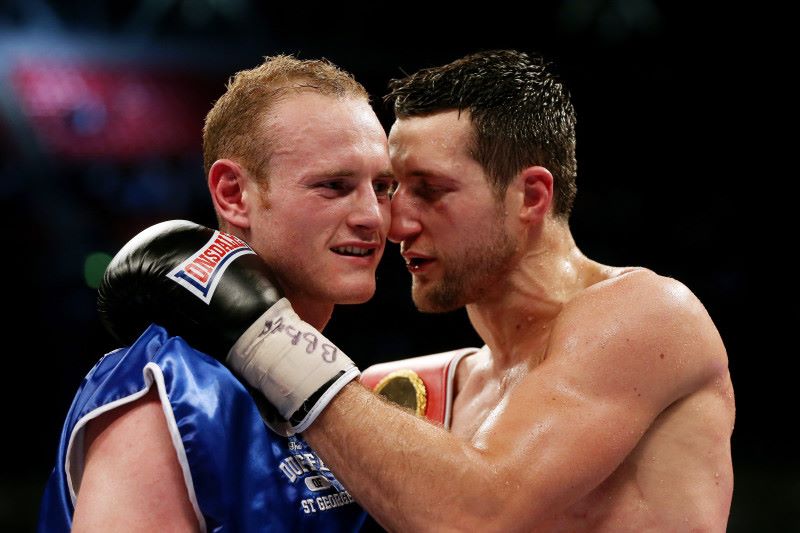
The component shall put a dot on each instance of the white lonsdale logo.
(201, 272)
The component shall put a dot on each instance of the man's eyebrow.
(422, 174)
(425, 173)
(348, 173)
(337, 173)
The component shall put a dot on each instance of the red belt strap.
(423, 384)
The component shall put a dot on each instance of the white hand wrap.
(288, 360)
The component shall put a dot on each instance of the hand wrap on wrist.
(295, 367)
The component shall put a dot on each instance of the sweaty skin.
(609, 425)
(602, 402)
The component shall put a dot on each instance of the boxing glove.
(213, 290)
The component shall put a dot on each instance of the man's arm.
(132, 480)
(621, 352)
(618, 357)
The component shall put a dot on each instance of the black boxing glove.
(213, 290)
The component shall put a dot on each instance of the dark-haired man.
(602, 399)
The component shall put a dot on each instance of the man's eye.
(332, 185)
(334, 188)
(428, 191)
(384, 187)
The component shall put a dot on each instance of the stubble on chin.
(466, 279)
(441, 297)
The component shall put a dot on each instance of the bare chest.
(470, 412)
(478, 394)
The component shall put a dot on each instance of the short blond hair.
(236, 119)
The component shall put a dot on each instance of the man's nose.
(366, 212)
(405, 222)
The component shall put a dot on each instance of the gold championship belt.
(406, 389)
(423, 385)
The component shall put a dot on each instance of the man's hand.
(212, 289)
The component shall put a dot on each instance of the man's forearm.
(408, 473)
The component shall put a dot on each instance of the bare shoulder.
(645, 324)
(657, 308)
(628, 283)
(141, 416)
(131, 436)
(129, 457)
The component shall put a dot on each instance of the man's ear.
(537, 193)
(226, 183)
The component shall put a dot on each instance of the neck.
(546, 274)
(312, 311)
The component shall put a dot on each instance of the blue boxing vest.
(239, 475)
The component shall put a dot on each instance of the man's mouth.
(416, 263)
(353, 251)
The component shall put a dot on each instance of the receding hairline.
(260, 88)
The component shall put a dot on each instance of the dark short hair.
(521, 114)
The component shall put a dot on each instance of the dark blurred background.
(101, 109)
